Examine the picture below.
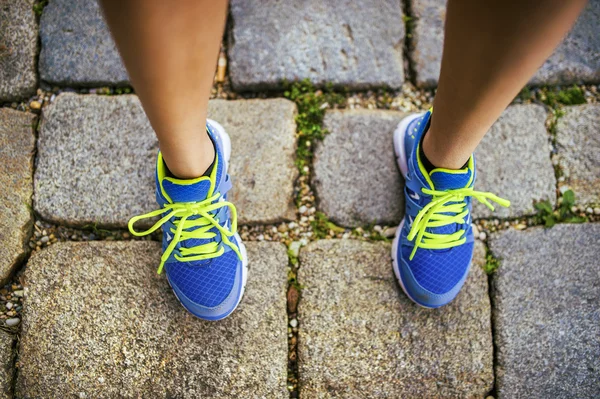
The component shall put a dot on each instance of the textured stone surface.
(77, 49)
(99, 322)
(6, 364)
(95, 162)
(513, 161)
(263, 141)
(577, 59)
(578, 142)
(18, 48)
(96, 157)
(428, 40)
(17, 144)
(546, 312)
(356, 178)
(360, 336)
(347, 43)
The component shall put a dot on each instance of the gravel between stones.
(360, 336)
(547, 322)
(98, 322)
(17, 145)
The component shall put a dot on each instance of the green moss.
(321, 226)
(293, 258)
(311, 105)
(549, 217)
(525, 94)
(38, 7)
(491, 263)
(570, 96)
(557, 113)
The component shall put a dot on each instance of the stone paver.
(428, 40)
(547, 321)
(513, 161)
(335, 42)
(98, 322)
(18, 48)
(96, 157)
(576, 60)
(360, 336)
(578, 142)
(263, 140)
(77, 49)
(17, 144)
(356, 176)
(6, 364)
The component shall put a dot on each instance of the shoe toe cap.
(210, 291)
(434, 278)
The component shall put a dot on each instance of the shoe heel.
(399, 134)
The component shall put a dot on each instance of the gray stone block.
(513, 161)
(98, 322)
(96, 159)
(428, 40)
(18, 49)
(576, 60)
(360, 336)
(17, 145)
(350, 44)
(7, 357)
(95, 162)
(77, 48)
(547, 323)
(263, 140)
(356, 177)
(578, 143)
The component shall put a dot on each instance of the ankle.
(191, 162)
(447, 155)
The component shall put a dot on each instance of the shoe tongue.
(446, 179)
(194, 190)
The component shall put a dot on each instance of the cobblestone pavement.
(83, 314)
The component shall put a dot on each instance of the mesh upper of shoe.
(438, 271)
(207, 283)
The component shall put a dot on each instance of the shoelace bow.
(446, 207)
(201, 229)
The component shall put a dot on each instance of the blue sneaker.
(203, 256)
(433, 246)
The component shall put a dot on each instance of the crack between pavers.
(493, 392)
(408, 20)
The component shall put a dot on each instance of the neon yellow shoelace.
(434, 215)
(182, 211)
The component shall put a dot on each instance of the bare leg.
(170, 50)
(491, 50)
